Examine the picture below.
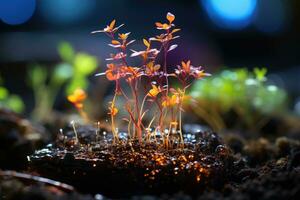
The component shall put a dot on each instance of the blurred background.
(215, 34)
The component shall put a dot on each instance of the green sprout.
(70, 74)
(10, 101)
(241, 91)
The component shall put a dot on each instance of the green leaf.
(15, 103)
(3, 93)
(37, 75)
(270, 99)
(76, 82)
(260, 74)
(62, 73)
(85, 64)
(242, 74)
(66, 51)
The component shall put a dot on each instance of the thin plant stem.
(115, 134)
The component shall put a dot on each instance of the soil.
(18, 139)
(21, 186)
(239, 166)
(132, 168)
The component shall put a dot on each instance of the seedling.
(157, 93)
(70, 74)
(246, 93)
(77, 99)
(11, 101)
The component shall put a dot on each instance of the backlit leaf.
(112, 24)
(172, 47)
(85, 64)
(66, 51)
(146, 43)
(170, 17)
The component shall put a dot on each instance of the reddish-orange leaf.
(170, 17)
(77, 97)
(175, 30)
(171, 101)
(174, 123)
(165, 26)
(111, 76)
(158, 24)
(154, 91)
(123, 36)
(112, 24)
(78, 105)
(113, 111)
(146, 43)
(115, 42)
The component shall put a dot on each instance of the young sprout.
(241, 91)
(109, 28)
(61, 137)
(98, 128)
(164, 102)
(260, 73)
(75, 132)
(77, 99)
(113, 110)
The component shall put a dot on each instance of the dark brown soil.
(239, 166)
(20, 186)
(258, 168)
(131, 168)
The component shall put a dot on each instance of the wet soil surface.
(234, 167)
(128, 167)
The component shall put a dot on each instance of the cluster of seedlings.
(243, 94)
(101, 166)
(149, 85)
(156, 157)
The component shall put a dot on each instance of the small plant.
(149, 84)
(244, 92)
(71, 74)
(77, 99)
(11, 101)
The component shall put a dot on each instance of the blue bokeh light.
(230, 14)
(15, 12)
(64, 12)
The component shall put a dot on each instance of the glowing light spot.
(198, 178)
(272, 88)
(250, 81)
(15, 12)
(99, 197)
(231, 14)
